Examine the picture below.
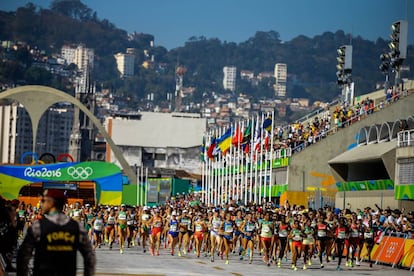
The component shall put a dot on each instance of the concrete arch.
(373, 134)
(395, 129)
(363, 135)
(385, 132)
(37, 99)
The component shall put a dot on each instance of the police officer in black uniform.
(56, 239)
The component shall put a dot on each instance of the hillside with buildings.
(223, 81)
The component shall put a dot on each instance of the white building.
(281, 78)
(125, 64)
(229, 79)
(158, 140)
(8, 116)
(81, 56)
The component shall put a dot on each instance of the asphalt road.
(134, 262)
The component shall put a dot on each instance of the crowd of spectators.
(300, 135)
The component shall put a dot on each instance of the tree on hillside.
(72, 8)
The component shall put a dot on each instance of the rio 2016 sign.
(42, 172)
(76, 173)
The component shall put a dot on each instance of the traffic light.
(344, 66)
(385, 63)
(398, 44)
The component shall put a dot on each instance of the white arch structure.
(37, 99)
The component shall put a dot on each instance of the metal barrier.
(406, 138)
(391, 248)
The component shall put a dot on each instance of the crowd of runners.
(181, 228)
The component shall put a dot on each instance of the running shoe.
(121, 251)
(279, 263)
(322, 266)
(310, 262)
(338, 268)
(227, 262)
(304, 267)
(179, 253)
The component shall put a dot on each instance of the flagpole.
(251, 159)
(209, 189)
(272, 134)
(212, 171)
(232, 183)
(146, 182)
(240, 178)
(229, 169)
(223, 175)
(202, 169)
(216, 176)
(204, 191)
(220, 176)
(144, 186)
(245, 168)
(264, 166)
(257, 137)
(261, 161)
(138, 186)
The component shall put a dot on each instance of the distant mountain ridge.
(311, 61)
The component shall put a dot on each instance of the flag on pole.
(211, 152)
(247, 135)
(238, 136)
(224, 142)
(267, 124)
(203, 149)
(257, 136)
(266, 141)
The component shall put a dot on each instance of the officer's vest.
(56, 252)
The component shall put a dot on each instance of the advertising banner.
(107, 176)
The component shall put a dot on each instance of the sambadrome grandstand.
(370, 161)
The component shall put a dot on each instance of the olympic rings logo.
(80, 172)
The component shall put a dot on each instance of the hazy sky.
(173, 22)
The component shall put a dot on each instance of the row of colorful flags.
(237, 161)
(238, 135)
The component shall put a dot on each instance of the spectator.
(50, 258)
(8, 231)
